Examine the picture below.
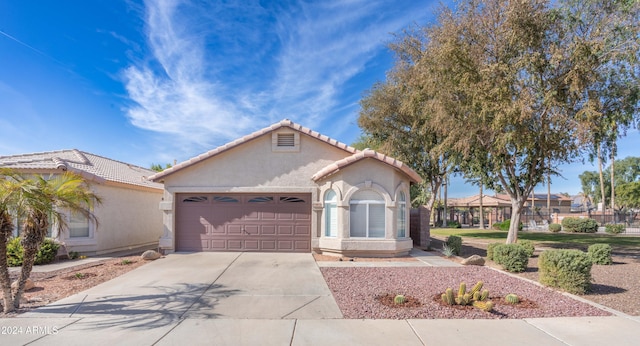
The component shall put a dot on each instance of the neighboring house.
(287, 188)
(128, 217)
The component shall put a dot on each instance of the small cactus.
(484, 295)
(512, 298)
(399, 299)
(476, 288)
(462, 290)
(484, 306)
(447, 296)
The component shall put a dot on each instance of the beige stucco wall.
(128, 219)
(254, 167)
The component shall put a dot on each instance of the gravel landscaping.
(358, 290)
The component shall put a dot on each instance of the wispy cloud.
(216, 71)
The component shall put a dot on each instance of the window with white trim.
(401, 221)
(331, 214)
(79, 225)
(366, 215)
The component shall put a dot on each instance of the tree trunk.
(445, 217)
(613, 187)
(481, 216)
(6, 227)
(604, 206)
(425, 231)
(548, 196)
(27, 264)
(517, 203)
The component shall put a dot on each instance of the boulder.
(474, 260)
(27, 285)
(150, 255)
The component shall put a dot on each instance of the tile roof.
(91, 166)
(284, 123)
(361, 155)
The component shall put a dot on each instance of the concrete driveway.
(208, 285)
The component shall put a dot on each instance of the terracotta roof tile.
(367, 153)
(90, 166)
(284, 123)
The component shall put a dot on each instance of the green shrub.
(555, 227)
(490, 248)
(512, 257)
(497, 226)
(455, 243)
(504, 225)
(600, 253)
(46, 253)
(569, 270)
(14, 252)
(574, 224)
(614, 228)
(454, 224)
(528, 247)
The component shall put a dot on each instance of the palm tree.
(43, 202)
(8, 187)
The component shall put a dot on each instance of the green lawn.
(550, 239)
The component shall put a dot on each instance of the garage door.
(243, 222)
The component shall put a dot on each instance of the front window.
(401, 222)
(367, 215)
(330, 214)
(78, 225)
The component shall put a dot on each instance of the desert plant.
(447, 250)
(512, 298)
(614, 228)
(569, 270)
(399, 299)
(490, 249)
(467, 298)
(455, 243)
(528, 247)
(600, 254)
(483, 305)
(79, 275)
(574, 224)
(73, 254)
(125, 262)
(555, 227)
(512, 257)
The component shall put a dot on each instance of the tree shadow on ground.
(599, 289)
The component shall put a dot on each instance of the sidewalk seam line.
(293, 332)
(415, 332)
(300, 307)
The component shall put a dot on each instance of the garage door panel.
(242, 222)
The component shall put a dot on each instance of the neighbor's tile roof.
(361, 155)
(247, 138)
(91, 166)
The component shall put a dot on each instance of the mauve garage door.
(243, 222)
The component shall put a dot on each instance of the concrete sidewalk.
(268, 299)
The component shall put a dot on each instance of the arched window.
(330, 214)
(401, 221)
(367, 214)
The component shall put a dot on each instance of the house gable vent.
(285, 142)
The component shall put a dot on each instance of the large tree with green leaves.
(498, 82)
(625, 171)
(602, 40)
(41, 202)
(393, 116)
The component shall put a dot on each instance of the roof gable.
(92, 167)
(361, 155)
(248, 138)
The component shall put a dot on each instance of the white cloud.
(218, 71)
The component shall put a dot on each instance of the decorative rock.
(150, 255)
(27, 285)
(474, 260)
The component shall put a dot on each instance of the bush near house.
(454, 243)
(454, 224)
(555, 227)
(574, 224)
(612, 228)
(46, 253)
(600, 254)
(569, 270)
(512, 257)
(490, 249)
(504, 225)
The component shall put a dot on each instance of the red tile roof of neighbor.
(357, 155)
(91, 166)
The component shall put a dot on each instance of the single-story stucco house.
(128, 217)
(286, 188)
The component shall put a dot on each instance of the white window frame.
(368, 203)
(401, 218)
(331, 214)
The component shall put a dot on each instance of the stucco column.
(166, 241)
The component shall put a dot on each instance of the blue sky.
(152, 81)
